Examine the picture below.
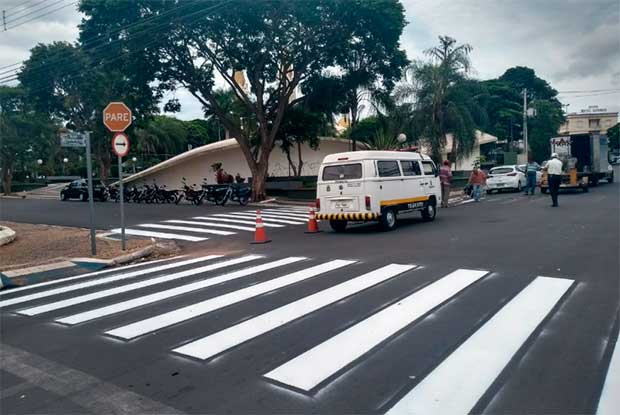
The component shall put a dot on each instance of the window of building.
(594, 124)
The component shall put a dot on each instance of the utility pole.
(4, 19)
(525, 147)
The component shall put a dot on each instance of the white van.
(379, 186)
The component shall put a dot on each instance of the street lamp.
(64, 163)
(134, 159)
(36, 173)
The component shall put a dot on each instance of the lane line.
(45, 308)
(242, 222)
(265, 220)
(161, 235)
(609, 402)
(456, 385)
(186, 229)
(299, 213)
(313, 367)
(221, 341)
(77, 277)
(139, 328)
(113, 278)
(162, 295)
(211, 224)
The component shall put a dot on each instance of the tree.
(614, 137)
(21, 130)
(278, 44)
(70, 84)
(445, 100)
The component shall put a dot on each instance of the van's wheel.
(388, 219)
(338, 225)
(429, 212)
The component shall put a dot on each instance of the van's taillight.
(318, 204)
(367, 202)
(511, 174)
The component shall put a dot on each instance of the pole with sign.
(79, 139)
(116, 118)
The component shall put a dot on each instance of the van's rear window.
(343, 172)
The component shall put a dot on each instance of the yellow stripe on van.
(394, 202)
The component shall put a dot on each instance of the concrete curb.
(7, 235)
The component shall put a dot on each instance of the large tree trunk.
(7, 167)
(105, 162)
(259, 178)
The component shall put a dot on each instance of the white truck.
(364, 186)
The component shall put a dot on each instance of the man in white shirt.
(554, 177)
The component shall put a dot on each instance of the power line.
(40, 16)
(74, 73)
(94, 39)
(589, 91)
(14, 64)
(595, 95)
(25, 8)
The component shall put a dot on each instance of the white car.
(505, 177)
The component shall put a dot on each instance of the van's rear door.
(341, 187)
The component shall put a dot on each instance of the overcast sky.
(573, 44)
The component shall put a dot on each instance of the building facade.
(590, 120)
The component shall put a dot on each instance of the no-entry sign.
(116, 117)
(120, 144)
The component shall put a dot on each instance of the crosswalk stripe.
(212, 224)
(186, 229)
(609, 402)
(265, 220)
(81, 276)
(116, 277)
(45, 308)
(276, 215)
(238, 220)
(482, 357)
(162, 295)
(272, 215)
(221, 341)
(149, 325)
(313, 367)
(161, 235)
(297, 213)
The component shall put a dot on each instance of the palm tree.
(444, 99)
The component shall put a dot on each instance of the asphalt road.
(509, 342)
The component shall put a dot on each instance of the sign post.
(78, 139)
(116, 118)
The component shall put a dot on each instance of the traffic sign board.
(72, 139)
(120, 144)
(116, 117)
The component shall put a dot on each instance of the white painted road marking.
(77, 277)
(162, 295)
(250, 216)
(309, 369)
(240, 221)
(274, 215)
(116, 277)
(135, 286)
(297, 214)
(149, 325)
(609, 402)
(161, 235)
(186, 229)
(211, 224)
(221, 341)
(463, 377)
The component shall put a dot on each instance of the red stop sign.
(116, 117)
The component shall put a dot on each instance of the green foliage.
(614, 137)
(278, 44)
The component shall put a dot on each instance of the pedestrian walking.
(445, 177)
(530, 173)
(554, 177)
(477, 179)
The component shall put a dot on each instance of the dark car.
(78, 189)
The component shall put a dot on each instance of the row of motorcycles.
(219, 194)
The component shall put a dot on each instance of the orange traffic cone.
(313, 226)
(260, 236)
